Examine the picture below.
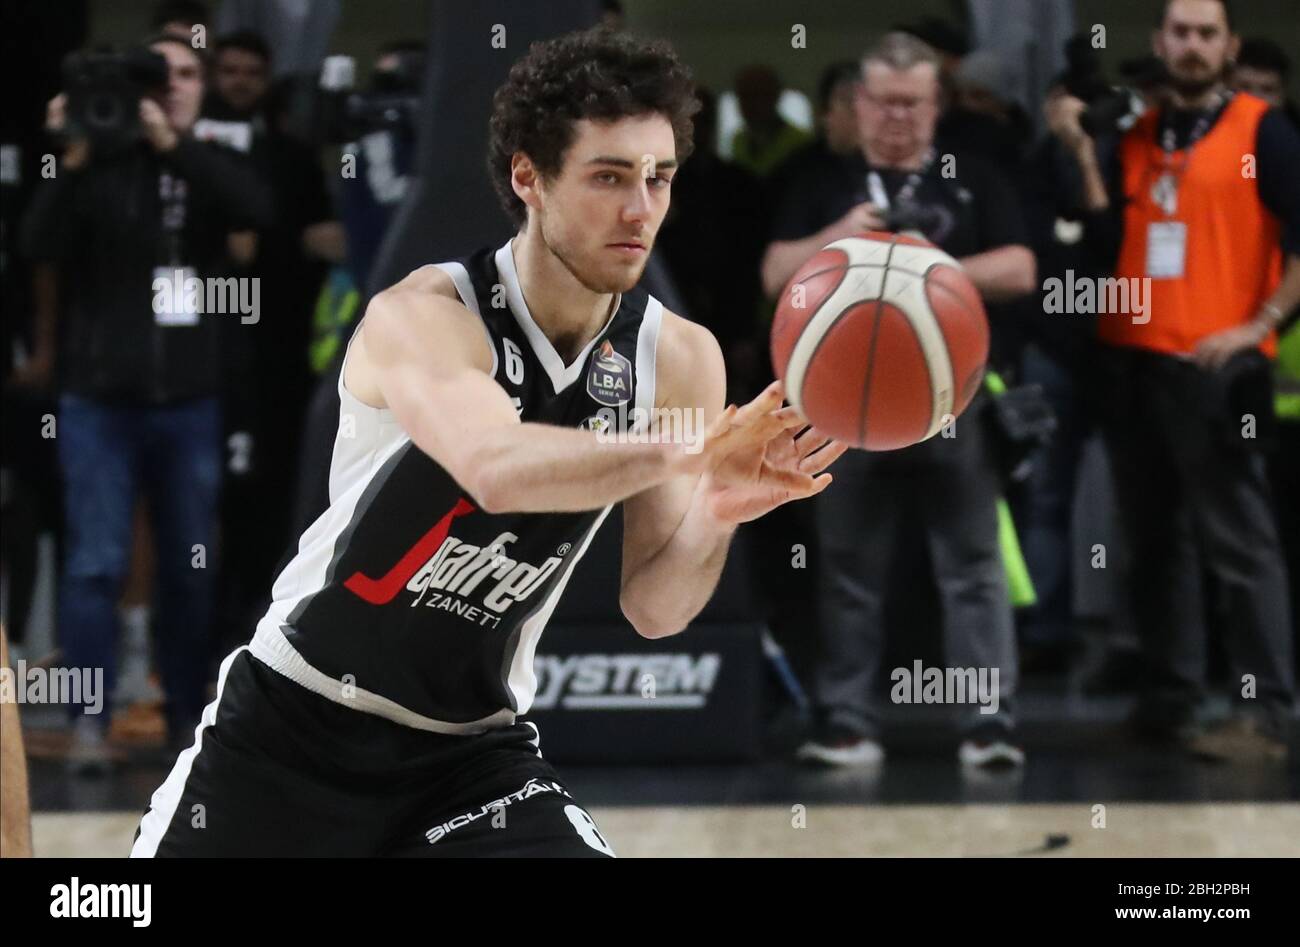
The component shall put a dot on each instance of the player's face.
(1195, 43)
(898, 108)
(601, 213)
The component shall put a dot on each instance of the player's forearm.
(15, 816)
(533, 468)
(1002, 274)
(662, 596)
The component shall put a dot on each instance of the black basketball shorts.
(277, 770)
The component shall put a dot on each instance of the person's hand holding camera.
(864, 217)
(76, 151)
(1064, 116)
(157, 129)
(1063, 113)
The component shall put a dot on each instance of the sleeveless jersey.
(406, 600)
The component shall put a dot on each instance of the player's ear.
(525, 180)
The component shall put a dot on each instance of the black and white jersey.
(406, 600)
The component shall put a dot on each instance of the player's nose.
(637, 208)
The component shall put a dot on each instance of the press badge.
(177, 296)
(1166, 250)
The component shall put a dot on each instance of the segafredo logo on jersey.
(442, 570)
(625, 681)
(458, 568)
(610, 379)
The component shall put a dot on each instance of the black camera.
(1117, 111)
(391, 102)
(104, 88)
(924, 219)
(1111, 108)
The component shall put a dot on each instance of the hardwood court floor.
(1132, 829)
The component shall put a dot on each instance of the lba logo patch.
(610, 379)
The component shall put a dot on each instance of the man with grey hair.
(949, 485)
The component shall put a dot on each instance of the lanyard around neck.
(906, 193)
(1204, 123)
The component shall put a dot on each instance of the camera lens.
(103, 111)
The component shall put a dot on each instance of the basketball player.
(15, 810)
(376, 709)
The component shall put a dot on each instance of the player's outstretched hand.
(754, 462)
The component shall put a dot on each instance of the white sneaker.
(990, 753)
(89, 754)
(134, 660)
(840, 748)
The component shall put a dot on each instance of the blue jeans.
(108, 454)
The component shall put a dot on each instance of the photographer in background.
(133, 200)
(1203, 202)
(264, 418)
(377, 128)
(1058, 358)
(898, 182)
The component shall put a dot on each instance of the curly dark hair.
(596, 74)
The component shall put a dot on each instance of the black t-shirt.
(970, 212)
(973, 211)
(103, 224)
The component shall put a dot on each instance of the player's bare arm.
(676, 535)
(424, 356)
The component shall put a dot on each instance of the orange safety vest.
(1233, 255)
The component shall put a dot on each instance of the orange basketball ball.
(880, 338)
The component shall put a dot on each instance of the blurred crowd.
(182, 467)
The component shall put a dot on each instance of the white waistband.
(272, 648)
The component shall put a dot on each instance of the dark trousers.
(1044, 517)
(1193, 493)
(1284, 468)
(949, 487)
(278, 771)
(108, 454)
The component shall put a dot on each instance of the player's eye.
(607, 177)
(659, 182)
